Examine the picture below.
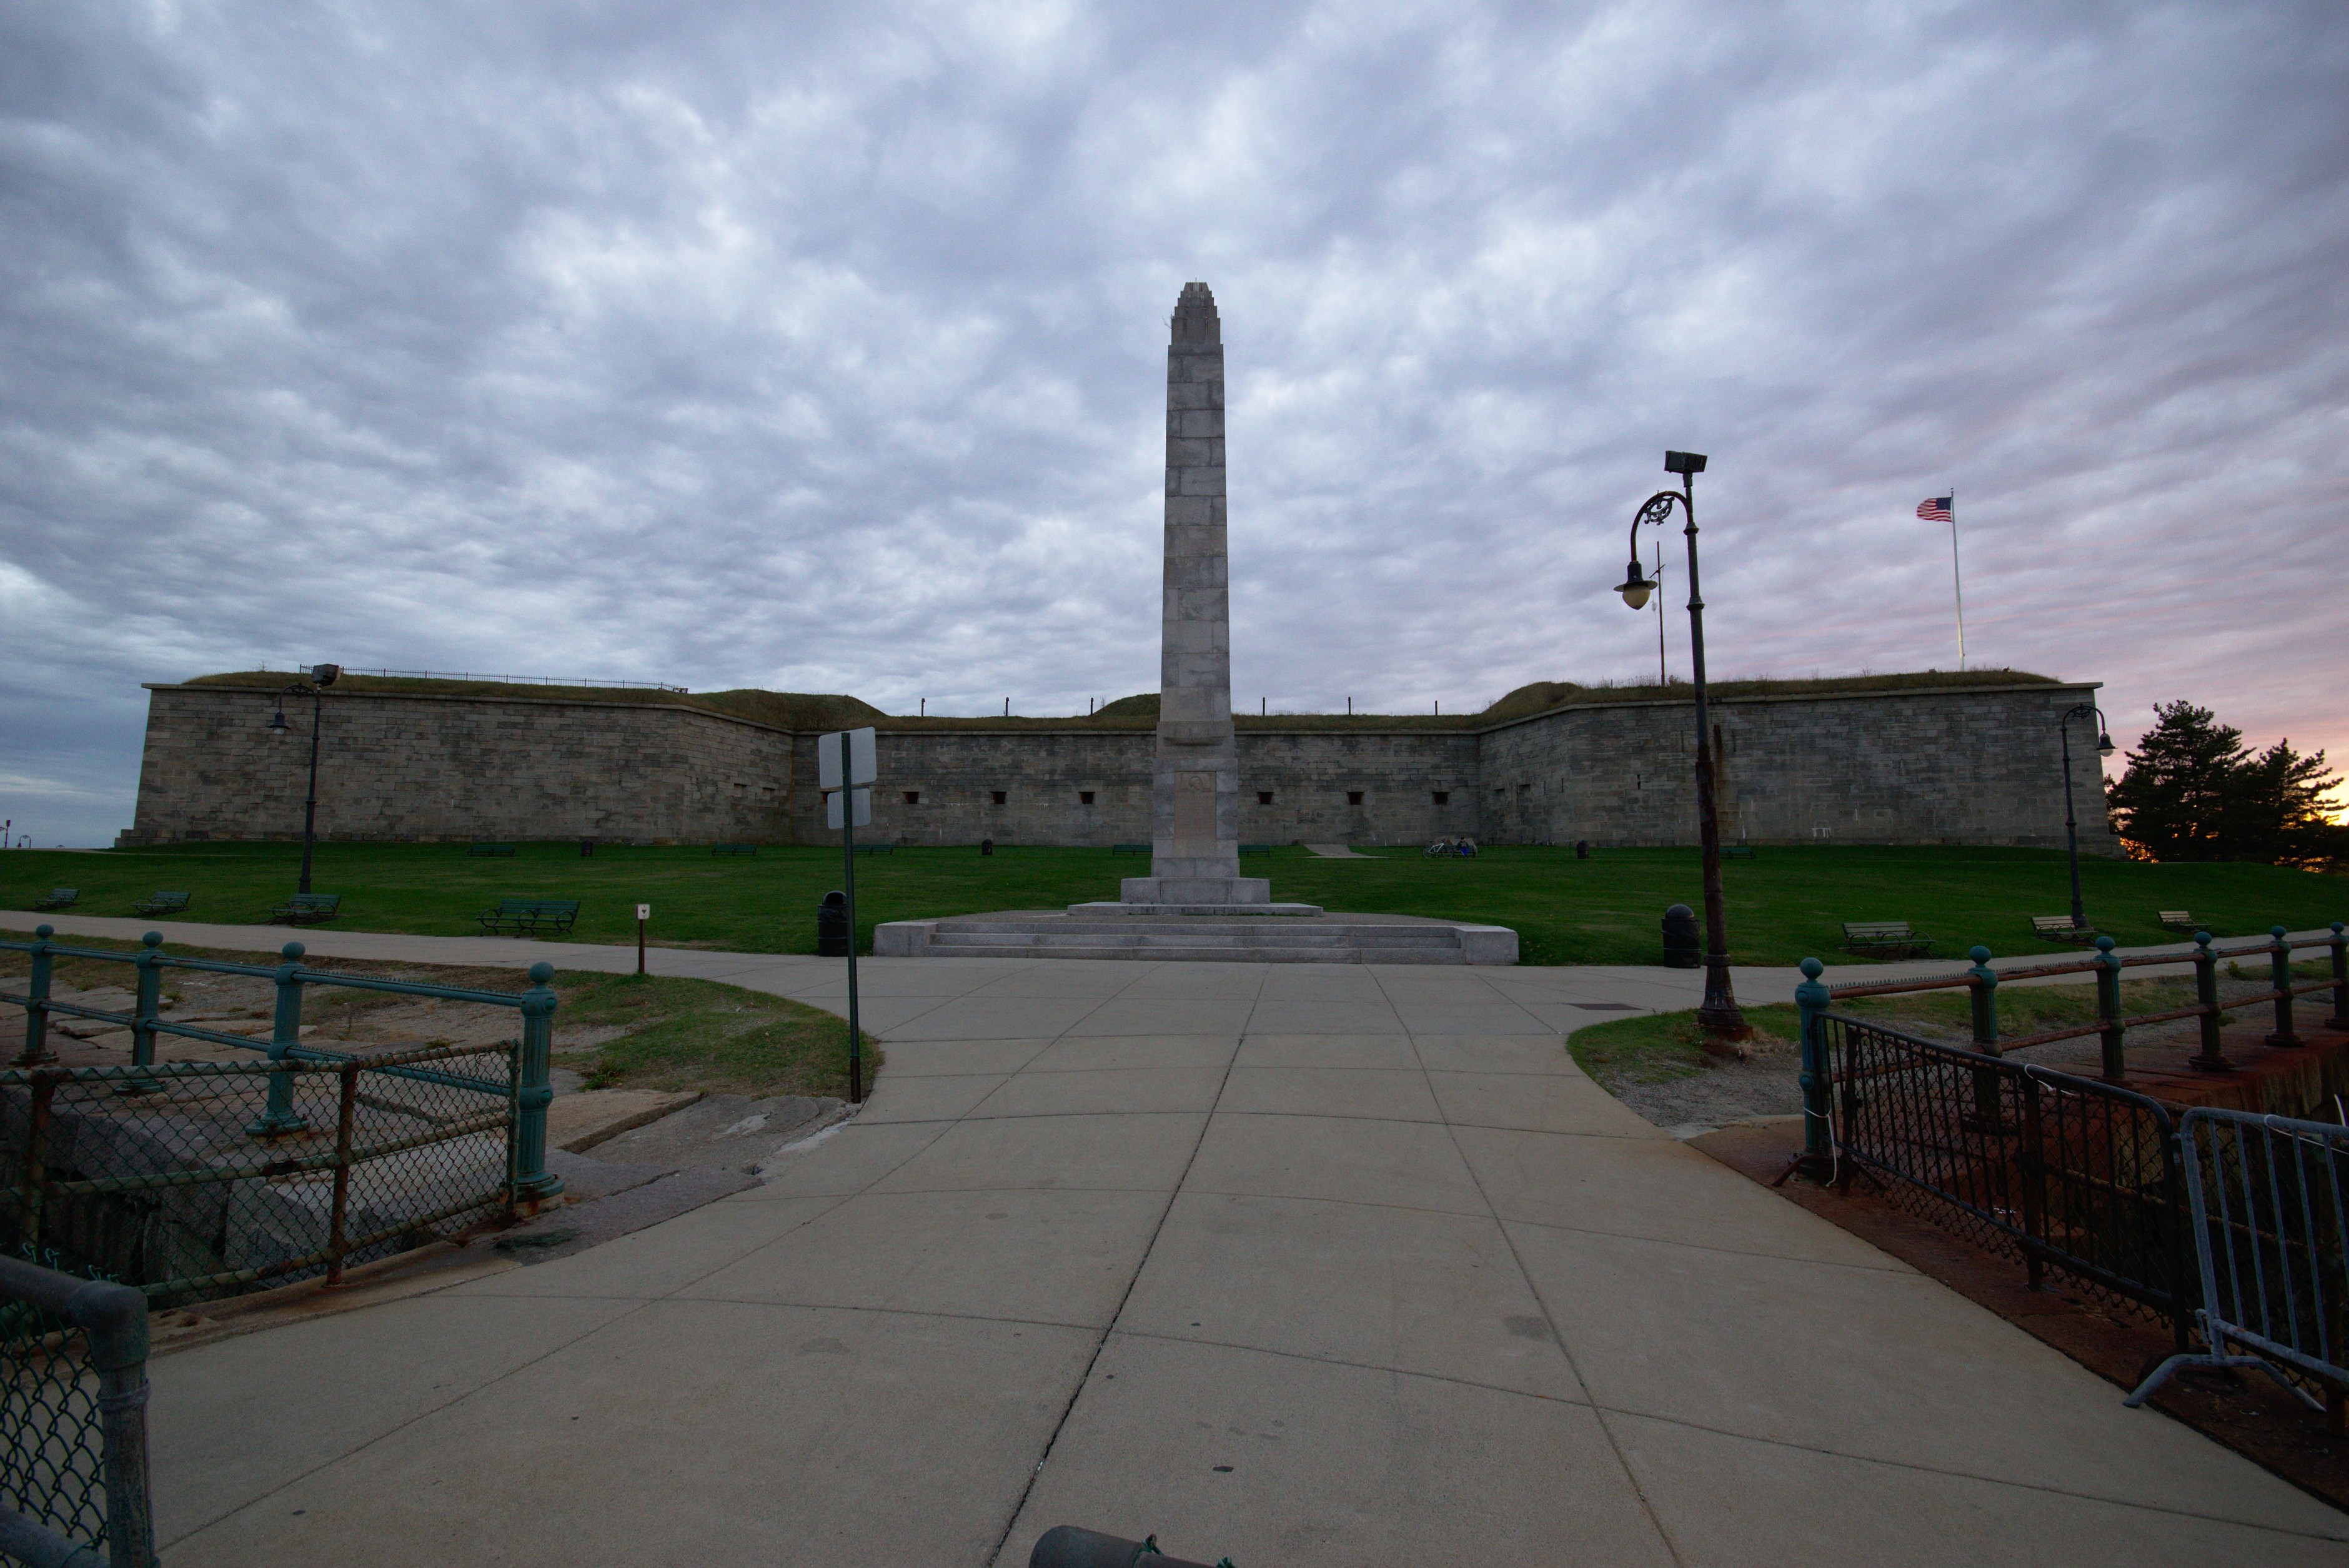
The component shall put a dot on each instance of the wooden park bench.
(1891, 938)
(306, 909)
(162, 903)
(2059, 928)
(529, 916)
(59, 898)
(733, 849)
(2178, 920)
(1128, 849)
(1736, 851)
(490, 851)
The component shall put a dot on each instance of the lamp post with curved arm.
(1720, 1014)
(2070, 822)
(321, 678)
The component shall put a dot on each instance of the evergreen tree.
(2276, 810)
(2193, 791)
(2172, 797)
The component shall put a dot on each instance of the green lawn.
(1785, 904)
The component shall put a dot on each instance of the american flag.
(1936, 510)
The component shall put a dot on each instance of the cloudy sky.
(821, 347)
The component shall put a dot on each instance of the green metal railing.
(190, 1180)
(73, 1422)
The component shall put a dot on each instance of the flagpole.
(1957, 581)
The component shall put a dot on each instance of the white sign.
(864, 799)
(860, 760)
(644, 911)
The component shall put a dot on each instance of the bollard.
(533, 1183)
(2112, 1036)
(1684, 948)
(280, 1118)
(2340, 1019)
(1812, 1000)
(149, 964)
(2280, 974)
(36, 1004)
(2210, 1059)
(1982, 986)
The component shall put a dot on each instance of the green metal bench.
(733, 849)
(2059, 928)
(2177, 920)
(876, 848)
(1255, 848)
(306, 909)
(489, 851)
(529, 916)
(1889, 938)
(1128, 849)
(1736, 851)
(59, 898)
(162, 903)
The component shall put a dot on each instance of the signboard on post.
(844, 766)
(860, 760)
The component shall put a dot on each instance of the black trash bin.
(586, 848)
(1683, 949)
(987, 846)
(832, 925)
(1582, 849)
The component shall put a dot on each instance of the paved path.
(1303, 1264)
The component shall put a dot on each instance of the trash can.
(586, 848)
(987, 846)
(1582, 849)
(1683, 950)
(832, 925)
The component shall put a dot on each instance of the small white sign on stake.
(864, 807)
(860, 760)
(644, 911)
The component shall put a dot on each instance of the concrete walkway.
(1306, 1264)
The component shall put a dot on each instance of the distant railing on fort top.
(507, 680)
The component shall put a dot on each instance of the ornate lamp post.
(1720, 1014)
(321, 678)
(2071, 823)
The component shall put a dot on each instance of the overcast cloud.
(822, 347)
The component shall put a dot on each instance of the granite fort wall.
(1970, 766)
(1953, 765)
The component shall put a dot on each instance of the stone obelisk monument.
(1195, 801)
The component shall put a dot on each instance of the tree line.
(2193, 791)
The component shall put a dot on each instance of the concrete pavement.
(1301, 1263)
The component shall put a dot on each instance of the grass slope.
(1783, 904)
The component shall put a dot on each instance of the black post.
(848, 852)
(2070, 822)
(1720, 1014)
(310, 807)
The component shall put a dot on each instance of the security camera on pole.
(845, 772)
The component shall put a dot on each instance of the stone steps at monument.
(1244, 941)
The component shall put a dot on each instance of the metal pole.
(848, 852)
(1955, 581)
(310, 807)
(640, 946)
(1812, 1000)
(2071, 823)
(1664, 677)
(1720, 1013)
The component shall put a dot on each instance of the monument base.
(1121, 910)
(1194, 890)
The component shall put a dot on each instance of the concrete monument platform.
(1194, 935)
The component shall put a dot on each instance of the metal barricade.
(73, 1422)
(2264, 1196)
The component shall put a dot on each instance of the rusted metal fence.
(73, 1420)
(2057, 1172)
(197, 1179)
